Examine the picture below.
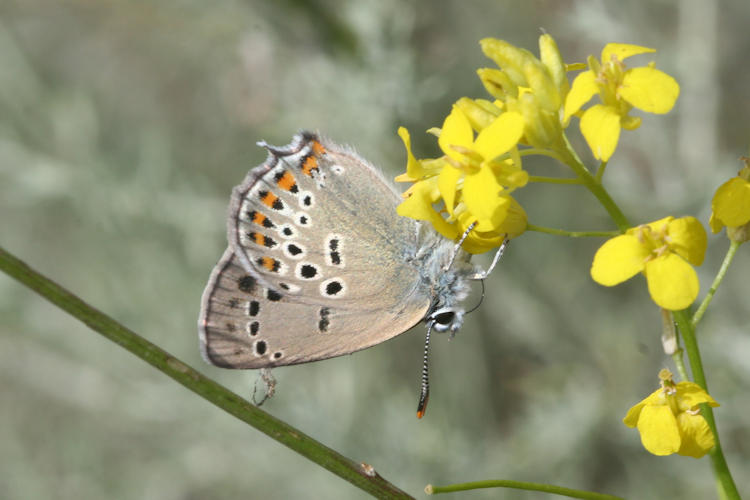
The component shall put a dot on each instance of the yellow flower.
(533, 87)
(669, 420)
(472, 160)
(731, 206)
(473, 185)
(620, 90)
(665, 251)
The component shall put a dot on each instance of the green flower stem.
(724, 478)
(571, 159)
(535, 152)
(555, 180)
(360, 476)
(600, 171)
(671, 342)
(519, 485)
(717, 281)
(572, 234)
(679, 362)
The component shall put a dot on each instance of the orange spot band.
(270, 263)
(259, 218)
(268, 198)
(310, 164)
(258, 238)
(317, 148)
(286, 181)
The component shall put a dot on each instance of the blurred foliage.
(123, 127)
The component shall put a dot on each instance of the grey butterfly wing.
(319, 263)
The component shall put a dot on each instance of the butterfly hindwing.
(246, 325)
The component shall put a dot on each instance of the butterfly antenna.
(460, 242)
(481, 299)
(424, 396)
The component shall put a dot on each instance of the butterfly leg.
(483, 274)
(458, 245)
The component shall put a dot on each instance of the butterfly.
(319, 264)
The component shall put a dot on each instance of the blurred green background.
(124, 126)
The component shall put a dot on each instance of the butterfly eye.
(444, 318)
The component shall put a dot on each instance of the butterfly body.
(319, 264)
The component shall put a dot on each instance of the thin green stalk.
(670, 340)
(600, 171)
(536, 152)
(520, 485)
(715, 285)
(721, 469)
(360, 475)
(555, 180)
(572, 234)
(596, 188)
(679, 362)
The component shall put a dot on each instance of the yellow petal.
(456, 131)
(659, 432)
(631, 419)
(515, 221)
(672, 282)
(688, 239)
(447, 184)
(550, 56)
(480, 113)
(690, 395)
(715, 223)
(600, 126)
(510, 174)
(415, 169)
(658, 226)
(622, 51)
(696, 437)
(542, 128)
(497, 83)
(583, 89)
(477, 243)
(419, 206)
(542, 86)
(731, 203)
(618, 259)
(412, 166)
(509, 57)
(501, 135)
(649, 89)
(481, 194)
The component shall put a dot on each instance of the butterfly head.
(446, 319)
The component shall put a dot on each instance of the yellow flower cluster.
(669, 420)
(481, 166)
(482, 141)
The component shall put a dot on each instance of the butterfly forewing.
(317, 265)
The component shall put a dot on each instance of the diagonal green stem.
(360, 475)
(717, 281)
(721, 468)
(571, 234)
(520, 485)
(597, 189)
(555, 180)
(600, 172)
